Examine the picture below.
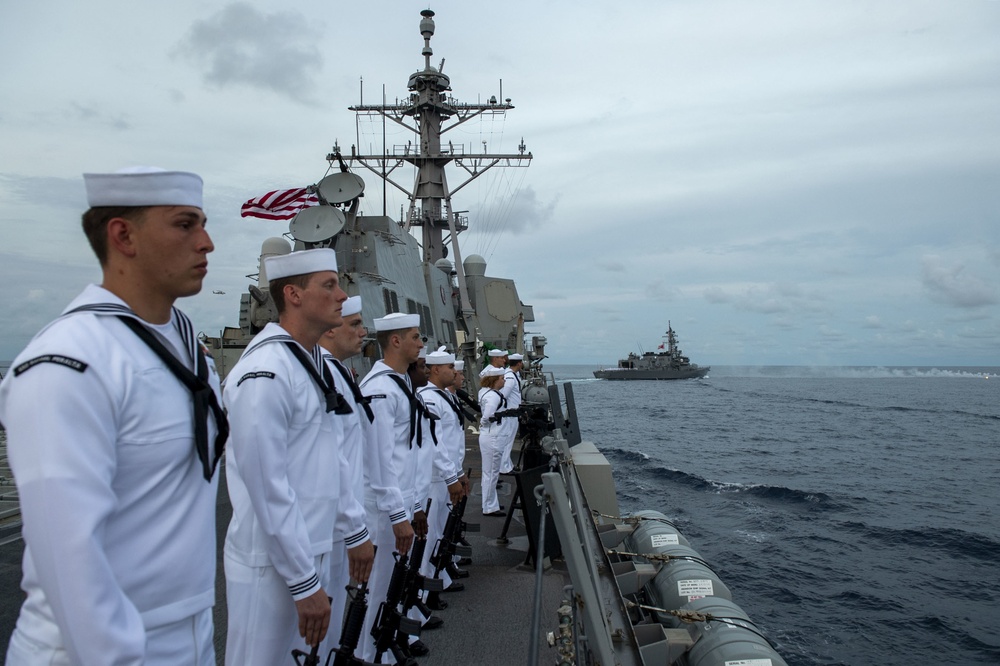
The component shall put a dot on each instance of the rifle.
(516, 412)
(449, 544)
(473, 405)
(389, 622)
(351, 634)
(413, 584)
(311, 659)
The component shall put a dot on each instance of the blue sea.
(853, 512)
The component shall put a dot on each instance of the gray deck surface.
(487, 623)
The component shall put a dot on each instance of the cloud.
(92, 115)
(64, 192)
(244, 47)
(872, 321)
(658, 290)
(951, 285)
(527, 213)
(717, 295)
(611, 266)
(768, 299)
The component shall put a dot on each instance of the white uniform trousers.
(378, 583)
(340, 577)
(187, 641)
(491, 448)
(508, 434)
(435, 528)
(263, 620)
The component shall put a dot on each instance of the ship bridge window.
(448, 332)
(391, 301)
(412, 307)
(426, 317)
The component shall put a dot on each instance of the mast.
(425, 113)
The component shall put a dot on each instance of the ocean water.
(853, 512)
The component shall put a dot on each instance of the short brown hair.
(95, 225)
(277, 288)
(382, 337)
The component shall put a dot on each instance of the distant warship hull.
(664, 373)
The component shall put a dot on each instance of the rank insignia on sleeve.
(255, 375)
(66, 361)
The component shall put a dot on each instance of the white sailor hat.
(302, 262)
(351, 306)
(440, 357)
(498, 352)
(397, 321)
(492, 371)
(459, 366)
(515, 357)
(143, 186)
(422, 353)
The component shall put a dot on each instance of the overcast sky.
(786, 181)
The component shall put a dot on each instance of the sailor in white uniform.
(352, 555)
(114, 428)
(447, 478)
(419, 373)
(512, 394)
(283, 468)
(497, 359)
(390, 485)
(491, 445)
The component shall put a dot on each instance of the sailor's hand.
(359, 561)
(466, 488)
(456, 491)
(314, 617)
(404, 536)
(420, 523)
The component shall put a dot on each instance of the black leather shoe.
(464, 562)
(455, 572)
(454, 587)
(434, 622)
(418, 649)
(495, 514)
(434, 602)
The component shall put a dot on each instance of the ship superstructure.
(380, 259)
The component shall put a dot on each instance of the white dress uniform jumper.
(390, 486)
(349, 530)
(119, 520)
(283, 470)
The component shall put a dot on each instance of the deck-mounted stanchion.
(536, 616)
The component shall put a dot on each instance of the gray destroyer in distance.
(668, 364)
(621, 590)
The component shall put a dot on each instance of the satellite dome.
(474, 265)
(274, 246)
(443, 265)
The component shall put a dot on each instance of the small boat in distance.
(667, 364)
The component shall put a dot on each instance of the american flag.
(280, 204)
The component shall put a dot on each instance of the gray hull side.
(650, 374)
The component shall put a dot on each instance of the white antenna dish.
(316, 223)
(341, 187)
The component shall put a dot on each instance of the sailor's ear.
(121, 236)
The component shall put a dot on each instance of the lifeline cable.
(690, 617)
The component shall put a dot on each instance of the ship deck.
(488, 623)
